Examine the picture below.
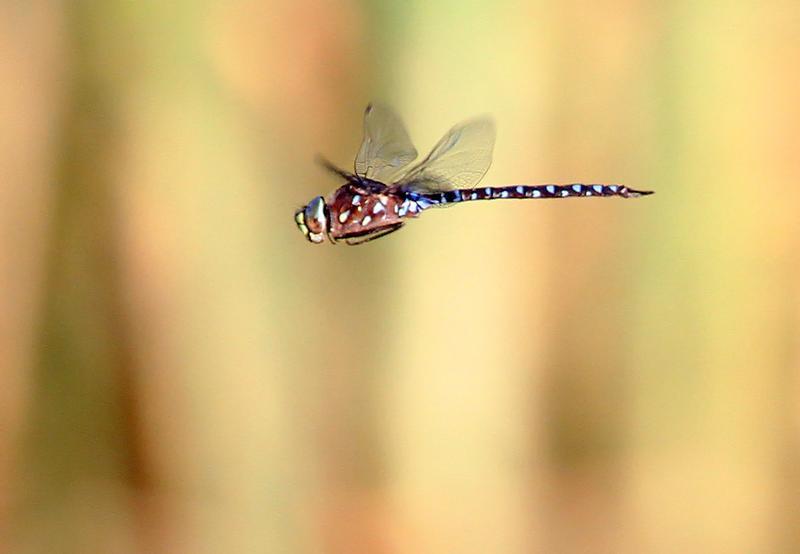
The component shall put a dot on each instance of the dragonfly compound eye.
(315, 220)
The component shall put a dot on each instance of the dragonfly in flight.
(383, 191)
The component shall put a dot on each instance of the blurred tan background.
(182, 372)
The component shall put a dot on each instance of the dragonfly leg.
(366, 236)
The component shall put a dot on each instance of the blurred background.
(180, 371)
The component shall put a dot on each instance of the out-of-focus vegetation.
(182, 372)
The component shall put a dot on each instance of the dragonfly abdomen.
(526, 191)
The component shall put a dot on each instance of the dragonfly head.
(312, 220)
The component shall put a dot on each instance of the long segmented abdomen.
(517, 192)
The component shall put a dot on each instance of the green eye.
(300, 220)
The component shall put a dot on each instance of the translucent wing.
(386, 148)
(459, 160)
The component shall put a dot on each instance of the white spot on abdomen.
(343, 216)
(366, 221)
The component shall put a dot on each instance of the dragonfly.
(385, 190)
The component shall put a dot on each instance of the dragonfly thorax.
(312, 220)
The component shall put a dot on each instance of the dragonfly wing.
(458, 161)
(335, 170)
(386, 148)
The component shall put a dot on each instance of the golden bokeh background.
(182, 372)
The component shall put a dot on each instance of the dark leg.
(366, 236)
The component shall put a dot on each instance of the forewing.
(386, 148)
(458, 161)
